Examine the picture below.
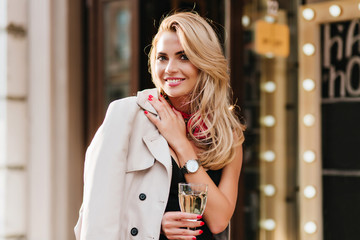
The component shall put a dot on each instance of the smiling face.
(176, 75)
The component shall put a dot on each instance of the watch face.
(192, 166)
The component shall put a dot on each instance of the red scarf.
(197, 132)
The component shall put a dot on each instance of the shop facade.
(295, 73)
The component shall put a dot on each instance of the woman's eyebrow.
(177, 53)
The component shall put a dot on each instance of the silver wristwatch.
(191, 166)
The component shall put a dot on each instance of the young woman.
(146, 144)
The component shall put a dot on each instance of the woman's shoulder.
(141, 96)
(133, 103)
(121, 101)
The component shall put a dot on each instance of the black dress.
(173, 201)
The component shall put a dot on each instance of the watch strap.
(184, 170)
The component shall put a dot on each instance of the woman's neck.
(180, 104)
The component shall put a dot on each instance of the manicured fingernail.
(201, 231)
(151, 96)
(146, 112)
(199, 217)
(194, 238)
(202, 223)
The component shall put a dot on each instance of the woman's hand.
(175, 225)
(171, 123)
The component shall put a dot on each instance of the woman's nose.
(171, 67)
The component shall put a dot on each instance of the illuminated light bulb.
(268, 224)
(310, 227)
(269, 121)
(335, 10)
(308, 84)
(269, 19)
(269, 190)
(309, 156)
(309, 192)
(308, 49)
(269, 55)
(309, 120)
(245, 20)
(268, 156)
(269, 86)
(308, 14)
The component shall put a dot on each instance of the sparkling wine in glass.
(192, 197)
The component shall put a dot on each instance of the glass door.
(117, 50)
(111, 57)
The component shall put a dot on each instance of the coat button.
(142, 196)
(134, 231)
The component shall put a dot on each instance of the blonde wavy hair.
(210, 100)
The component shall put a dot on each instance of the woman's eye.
(184, 57)
(161, 58)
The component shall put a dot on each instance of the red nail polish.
(202, 223)
(150, 99)
(199, 217)
(201, 231)
(146, 112)
(151, 96)
(194, 238)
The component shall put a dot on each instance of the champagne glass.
(192, 197)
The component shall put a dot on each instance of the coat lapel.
(159, 148)
(142, 99)
(156, 143)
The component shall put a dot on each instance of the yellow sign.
(272, 38)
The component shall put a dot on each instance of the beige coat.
(127, 175)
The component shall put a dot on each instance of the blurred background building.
(295, 73)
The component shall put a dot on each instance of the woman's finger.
(163, 100)
(179, 225)
(160, 107)
(184, 234)
(182, 224)
(181, 220)
(176, 237)
(184, 215)
(177, 113)
(152, 118)
(192, 224)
